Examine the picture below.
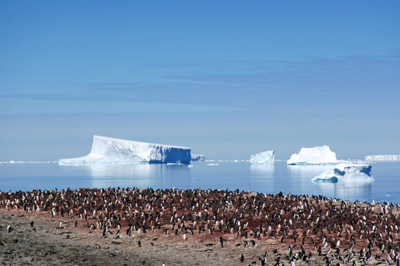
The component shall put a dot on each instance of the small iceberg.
(266, 157)
(198, 157)
(313, 156)
(347, 174)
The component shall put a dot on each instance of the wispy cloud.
(348, 82)
(307, 74)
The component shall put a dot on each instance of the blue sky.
(227, 78)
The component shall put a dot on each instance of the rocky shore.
(193, 227)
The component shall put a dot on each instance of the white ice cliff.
(316, 155)
(347, 174)
(266, 157)
(112, 150)
(383, 158)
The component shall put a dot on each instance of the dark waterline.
(215, 175)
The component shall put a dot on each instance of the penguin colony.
(341, 231)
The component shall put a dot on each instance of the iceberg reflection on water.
(308, 171)
(337, 190)
(140, 175)
(262, 169)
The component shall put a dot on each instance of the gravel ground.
(57, 241)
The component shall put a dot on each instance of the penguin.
(105, 231)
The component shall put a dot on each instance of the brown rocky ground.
(46, 243)
(184, 227)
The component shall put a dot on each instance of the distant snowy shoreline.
(382, 158)
(28, 162)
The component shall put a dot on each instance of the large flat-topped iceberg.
(316, 155)
(266, 157)
(383, 158)
(354, 175)
(112, 150)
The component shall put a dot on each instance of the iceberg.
(198, 157)
(382, 158)
(266, 157)
(347, 174)
(316, 155)
(112, 150)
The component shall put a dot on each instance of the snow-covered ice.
(316, 155)
(266, 157)
(382, 158)
(347, 174)
(112, 150)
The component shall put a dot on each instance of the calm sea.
(215, 175)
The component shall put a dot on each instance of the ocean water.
(205, 175)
